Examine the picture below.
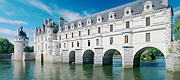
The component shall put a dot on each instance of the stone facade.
(130, 29)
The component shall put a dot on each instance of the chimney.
(49, 21)
(61, 21)
(164, 2)
(45, 22)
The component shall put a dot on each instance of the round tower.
(35, 40)
(20, 42)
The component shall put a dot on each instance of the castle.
(130, 29)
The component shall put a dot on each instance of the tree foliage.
(176, 27)
(117, 53)
(6, 46)
(29, 49)
(150, 54)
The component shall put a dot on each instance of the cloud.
(2, 1)
(70, 16)
(9, 13)
(31, 43)
(11, 21)
(7, 31)
(86, 13)
(177, 13)
(176, 8)
(40, 5)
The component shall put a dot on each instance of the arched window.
(111, 28)
(126, 39)
(97, 41)
(59, 37)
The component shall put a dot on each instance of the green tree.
(5, 46)
(29, 49)
(176, 27)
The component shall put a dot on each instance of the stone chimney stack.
(61, 21)
(165, 2)
(45, 22)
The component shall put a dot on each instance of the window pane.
(148, 21)
(127, 24)
(111, 28)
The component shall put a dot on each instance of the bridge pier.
(173, 62)
(78, 56)
(127, 57)
(98, 57)
(65, 54)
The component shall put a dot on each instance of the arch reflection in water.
(32, 70)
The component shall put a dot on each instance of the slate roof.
(22, 34)
(136, 7)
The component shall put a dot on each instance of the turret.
(42, 28)
(17, 31)
(39, 30)
(45, 22)
(49, 38)
(35, 40)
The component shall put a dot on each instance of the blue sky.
(30, 13)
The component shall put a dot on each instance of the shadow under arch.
(108, 56)
(72, 56)
(136, 60)
(88, 57)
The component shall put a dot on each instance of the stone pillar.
(127, 57)
(78, 56)
(65, 56)
(173, 62)
(98, 57)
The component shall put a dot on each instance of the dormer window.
(79, 24)
(111, 16)
(148, 6)
(127, 11)
(72, 25)
(99, 19)
(89, 21)
(66, 27)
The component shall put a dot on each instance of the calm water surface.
(149, 70)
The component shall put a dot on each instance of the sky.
(31, 13)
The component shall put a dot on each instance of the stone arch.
(72, 56)
(108, 56)
(88, 57)
(136, 58)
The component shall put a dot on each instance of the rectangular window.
(88, 31)
(38, 47)
(79, 33)
(147, 37)
(111, 28)
(88, 42)
(148, 21)
(41, 38)
(111, 40)
(77, 43)
(64, 45)
(66, 36)
(99, 29)
(127, 24)
(72, 35)
(72, 44)
(59, 37)
(59, 45)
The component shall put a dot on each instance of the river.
(149, 70)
